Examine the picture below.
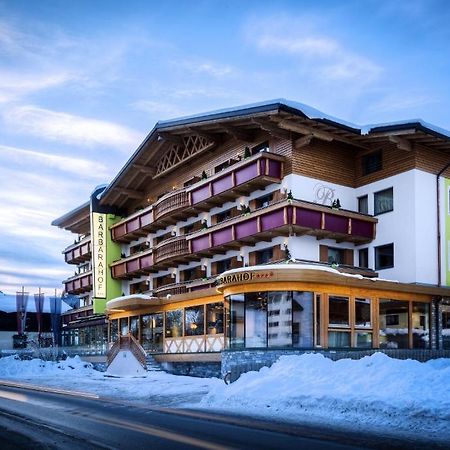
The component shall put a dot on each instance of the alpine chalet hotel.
(234, 236)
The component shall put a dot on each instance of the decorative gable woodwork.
(180, 153)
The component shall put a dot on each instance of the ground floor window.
(307, 320)
(271, 319)
(446, 327)
(91, 339)
(153, 329)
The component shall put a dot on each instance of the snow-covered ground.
(375, 393)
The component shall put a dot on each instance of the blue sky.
(82, 83)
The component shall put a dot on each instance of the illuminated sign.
(99, 260)
(240, 277)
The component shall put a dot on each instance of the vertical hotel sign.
(99, 230)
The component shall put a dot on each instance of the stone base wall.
(193, 369)
(237, 362)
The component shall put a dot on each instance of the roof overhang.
(293, 272)
(76, 221)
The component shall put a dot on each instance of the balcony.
(182, 288)
(134, 266)
(78, 252)
(282, 219)
(79, 283)
(241, 178)
(175, 250)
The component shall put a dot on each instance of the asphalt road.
(46, 420)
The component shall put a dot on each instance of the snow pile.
(155, 389)
(374, 391)
(14, 367)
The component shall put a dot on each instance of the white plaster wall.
(426, 227)
(319, 191)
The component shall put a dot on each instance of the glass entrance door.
(152, 330)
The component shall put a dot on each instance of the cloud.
(80, 167)
(211, 68)
(161, 109)
(399, 101)
(323, 55)
(70, 129)
(15, 85)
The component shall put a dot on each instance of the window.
(256, 319)
(362, 312)
(174, 323)
(214, 317)
(264, 147)
(383, 201)
(421, 325)
(336, 255)
(194, 323)
(394, 323)
(364, 257)
(264, 256)
(373, 162)
(264, 201)
(237, 315)
(134, 326)
(363, 204)
(446, 326)
(384, 257)
(223, 265)
(338, 308)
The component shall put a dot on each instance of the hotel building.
(267, 226)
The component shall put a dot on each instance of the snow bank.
(14, 367)
(157, 388)
(376, 391)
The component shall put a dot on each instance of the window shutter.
(278, 253)
(323, 253)
(348, 257)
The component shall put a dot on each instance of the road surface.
(48, 420)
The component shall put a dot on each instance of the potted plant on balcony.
(204, 176)
(336, 204)
(247, 153)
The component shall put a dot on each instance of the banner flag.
(21, 308)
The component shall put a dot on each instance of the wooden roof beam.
(144, 169)
(402, 144)
(178, 140)
(303, 129)
(130, 192)
(303, 141)
(202, 134)
(237, 134)
(273, 129)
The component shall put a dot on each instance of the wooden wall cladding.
(329, 161)
(395, 161)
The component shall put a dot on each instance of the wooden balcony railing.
(239, 179)
(79, 283)
(283, 218)
(138, 264)
(182, 288)
(172, 250)
(78, 252)
(169, 204)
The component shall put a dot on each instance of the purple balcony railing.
(135, 265)
(79, 283)
(242, 177)
(79, 252)
(283, 218)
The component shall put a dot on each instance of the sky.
(83, 82)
